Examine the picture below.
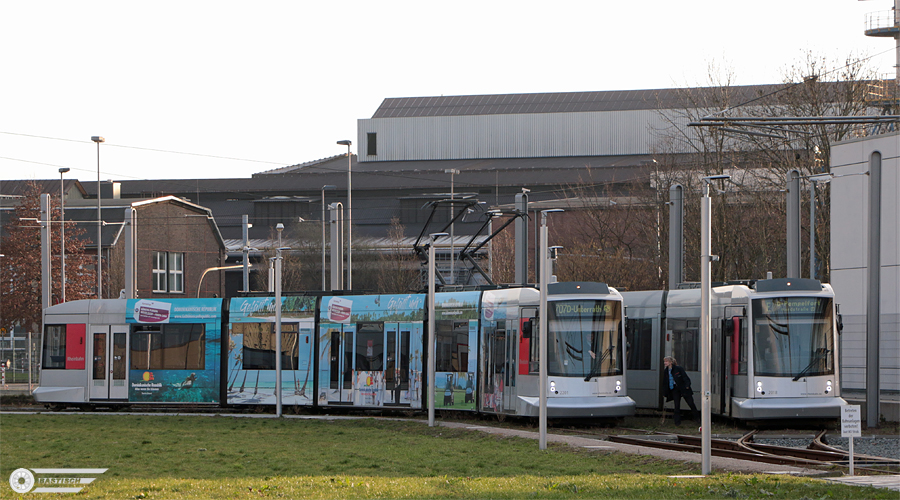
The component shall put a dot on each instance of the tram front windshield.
(585, 338)
(793, 336)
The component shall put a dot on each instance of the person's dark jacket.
(682, 382)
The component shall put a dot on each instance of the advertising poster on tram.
(456, 356)
(174, 348)
(252, 345)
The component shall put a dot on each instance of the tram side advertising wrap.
(173, 350)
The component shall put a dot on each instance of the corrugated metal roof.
(391, 175)
(556, 102)
(374, 244)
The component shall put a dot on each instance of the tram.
(774, 347)
(353, 351)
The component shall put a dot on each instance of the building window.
(168, 272)
(371, 144)
(271, 211)
(415, 210)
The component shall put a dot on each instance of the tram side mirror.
(526, 329)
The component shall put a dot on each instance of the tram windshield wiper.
(820, 355)
(595, 366)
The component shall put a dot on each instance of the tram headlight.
(759, 388)
(828, 387)
(552, 387)
(618, 385)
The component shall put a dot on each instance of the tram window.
(638, 343)
(742, 346)
(452, 346)
(686, 347)
(259, 345)
(54, 347)
(793, 336)
(404, 359)
(370, 347)
(168, 347)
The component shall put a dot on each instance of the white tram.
(774, 347)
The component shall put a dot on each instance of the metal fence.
(19, 358)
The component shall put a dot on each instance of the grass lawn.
(151, 457)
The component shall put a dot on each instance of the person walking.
(677, 385)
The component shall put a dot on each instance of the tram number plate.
(851, 421)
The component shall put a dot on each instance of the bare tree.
(609, 234)
(20, 268)
(749, 212)
(399, 269)
(503, 255)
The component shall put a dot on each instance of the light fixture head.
(97, 139)
(823, 178)
(710, 178)
(63, 170)
(345, 142)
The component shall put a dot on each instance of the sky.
(224, 89)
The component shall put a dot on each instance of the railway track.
(817, 454)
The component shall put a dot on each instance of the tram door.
(396, 369)
(499, 389)
(342, 341)
(685, 347)
(109, 345)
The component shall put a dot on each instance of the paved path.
(717, 464)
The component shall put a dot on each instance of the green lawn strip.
(225, 457)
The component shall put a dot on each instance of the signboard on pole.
(851, 421)
(851, 426)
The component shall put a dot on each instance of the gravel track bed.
(879, 446)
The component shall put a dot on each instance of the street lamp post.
(98, 140)
(327, 186)
(278, 332)
(62, 235)
(347, 142)
(706, 259)
(452, 172)
(431, 333)
(543, 332)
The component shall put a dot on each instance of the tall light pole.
(813, 180)
(62, 235)
(327, 186)
(346, 142)
(279, 228)
(431, 337)
(452, 172)
(543, 330)
(706, 259)
(98, 140)
(245, 249)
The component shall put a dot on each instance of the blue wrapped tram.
(357, 351)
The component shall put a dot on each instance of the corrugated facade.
(525, 135)
(849, 255)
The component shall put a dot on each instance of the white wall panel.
(512, 136)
